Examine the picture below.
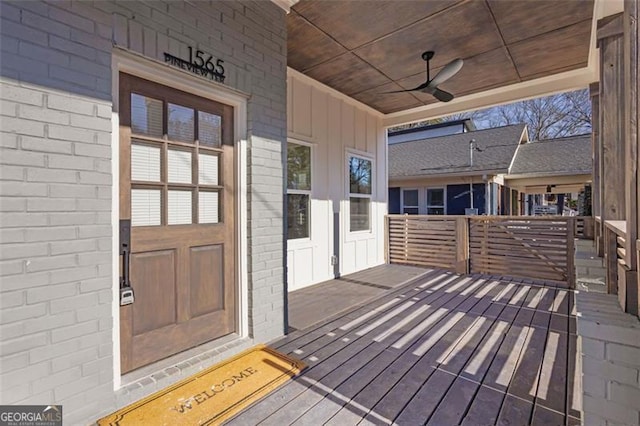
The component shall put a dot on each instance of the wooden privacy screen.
(534, 247)
(423, 240)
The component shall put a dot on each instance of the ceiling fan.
(431, 85)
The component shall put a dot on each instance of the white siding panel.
(290, 111)
(348, 125)
(349, 257)
(361, 254)
(360, 136)
(319, 120)
(372, 134)
(302, 107)
(372, 251)
(291, 282)
(333, 124)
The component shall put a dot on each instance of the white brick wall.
(610, 348)
(55, 174)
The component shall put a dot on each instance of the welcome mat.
(213, 395)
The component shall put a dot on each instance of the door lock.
(126, 291)
(126, 296)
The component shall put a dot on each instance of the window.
(175, 178)
(298, 190)
(359, 194)
(410, 203)
(435, 201)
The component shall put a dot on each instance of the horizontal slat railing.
(422, 240)
(538, 247)
(523, 246)
(615, 238)
(585, 227)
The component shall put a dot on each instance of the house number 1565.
(200, 60)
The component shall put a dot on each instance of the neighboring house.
(433, 176)
(555, 166)
(423, 132)
(436, 175)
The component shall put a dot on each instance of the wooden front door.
(177, 188)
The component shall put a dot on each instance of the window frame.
(368, 157)
(308, 192)
(444, 200)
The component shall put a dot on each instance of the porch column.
(632, 192)
(611, 123)
(610, 36)
(596, 145)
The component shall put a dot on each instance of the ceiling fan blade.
(396, 91)
(441, 95)
(422, 86)
(447, 72)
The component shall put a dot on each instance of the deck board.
(438, 349)
(335, 296)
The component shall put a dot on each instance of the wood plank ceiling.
(362, 48)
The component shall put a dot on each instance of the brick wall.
(55, 178)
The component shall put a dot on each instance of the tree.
(555, 116)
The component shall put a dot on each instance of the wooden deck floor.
(316, 303)
(445, 349)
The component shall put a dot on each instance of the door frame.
(158, 72)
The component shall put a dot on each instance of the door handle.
(126, 291)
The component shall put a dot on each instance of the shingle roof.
(563, 156)
(450, 154)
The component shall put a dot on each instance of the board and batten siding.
(335, 126)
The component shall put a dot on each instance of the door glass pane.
(359, 175)
(145, 207)
(298, 167)
(208, 207)
(297, 216)
(146, 115)
(209, 129)
(179, 166)
(179, 208)
(410, 210)
(145, 163)
(410, 197)
(435, 210)
(180, 125)
(208, 169)
(359, 214)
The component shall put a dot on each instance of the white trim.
(333, 92)
(562, 82)
(285, 5)
(156, 71)
(115, 239)
(367, 233)
(296, 243)
(299, 141)
(524, 133)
